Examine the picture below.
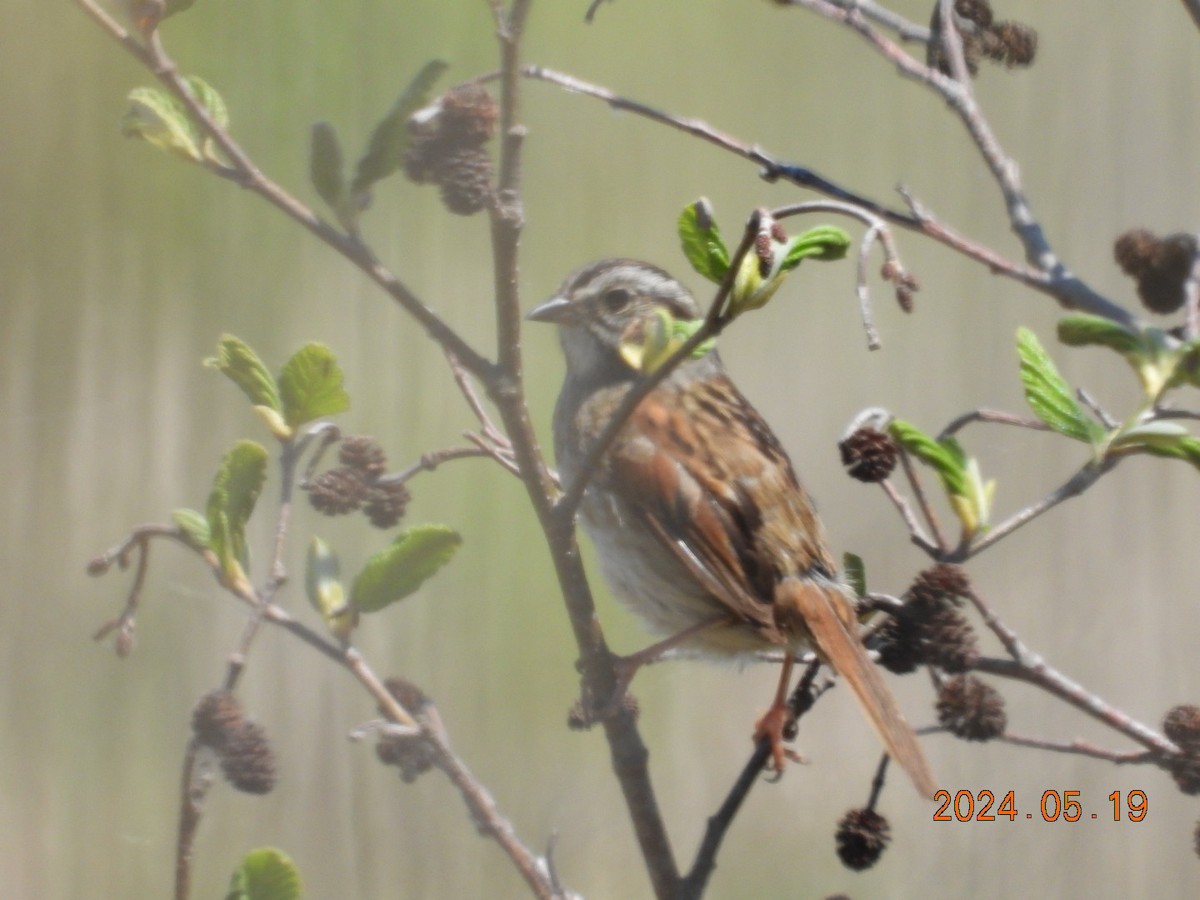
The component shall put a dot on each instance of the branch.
(1073, 487)
(1028, 666)
(246, 174)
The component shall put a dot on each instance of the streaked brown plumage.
(695, 511)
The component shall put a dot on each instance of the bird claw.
(771, 728)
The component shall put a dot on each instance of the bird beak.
(556, 310)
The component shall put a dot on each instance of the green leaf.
(194, 527)
(389, 140)
(823, 243)
(701, 240)
(1083, 329)
(1159, 438)
(238, 482)
(210, 99)
(944, 457)
(1048, 394)
(856, 573)
(656, 339)
(322, 583)
(160, 119)
(238, 362)
(325, 167)
(265, 874)
(310, 385)
(403, 566)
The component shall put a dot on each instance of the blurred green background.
(120, 267)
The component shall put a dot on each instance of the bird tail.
(829, 620)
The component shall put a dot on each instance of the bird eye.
(616, 299)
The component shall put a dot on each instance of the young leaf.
(241, 365)
(310, 385)
(210, 99)
(403, 566)
(325, 166)
(1048, 394)
(238, 482)
(855, 572)
(322, 583)
(160, 119)
(194, 527)
(385, 152)
(655, 340)
(265, 874)
(945, 457)
(824, 243)
(701, 240)
(1083, 329)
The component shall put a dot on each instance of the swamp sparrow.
(699, 522)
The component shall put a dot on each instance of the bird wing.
(698, 502)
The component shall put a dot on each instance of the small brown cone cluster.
(242, 746)
(413, 755)
(1160, 266)
(450, 150)
(359, 483)
(1182, 725)
(869, 455)
(862, 836)
(1010, 44)
(970, 709)
(929, 629)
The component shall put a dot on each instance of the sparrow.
(700, 524)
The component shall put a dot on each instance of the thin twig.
(1080, 748)
(915, 532)
(992, 416)
(1028, 666)
(434, 458)
(246, 174)
(1073, 487)
(914, 482)
(692, 886)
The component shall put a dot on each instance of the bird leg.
(628, 666)
(775, 720)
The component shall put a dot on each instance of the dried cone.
(248, 761)
(970, 709)
(862, 836)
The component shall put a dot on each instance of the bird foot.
(772, 727)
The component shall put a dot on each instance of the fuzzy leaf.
(855, 572)
(701, 240)
(240, 364)
(210, 99)
(944, 457)
(657, 339)
(160, 119)
(194, 527)
(1048, 394)
(238, 482)
(322, 583)
(1083, 329)
(824, 243)
(389, 140)
(310, 386)
(403, 566)
(265, 874)
(325, 166)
